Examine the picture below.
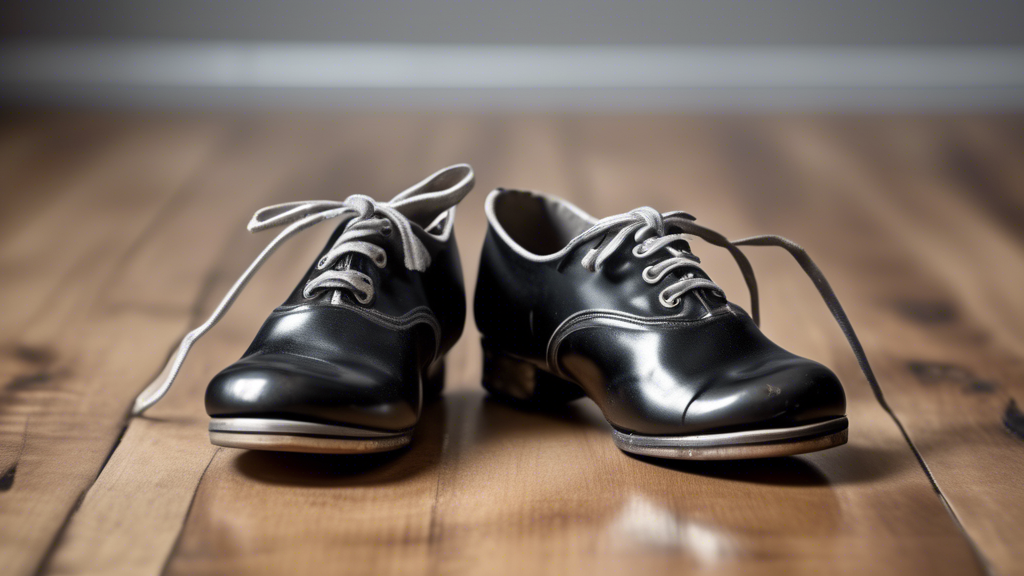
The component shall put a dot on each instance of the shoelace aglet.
(159, 386)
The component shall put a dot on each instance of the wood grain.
(146, 488)
(912, 218)
(65, 351)
(957, 365)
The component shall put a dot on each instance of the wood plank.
(131, 515)
(984, 161)
(930, 204)
(484, 488)
(928, 278)
(64, 172)
(64, 353)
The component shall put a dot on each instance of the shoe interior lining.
(537, 223)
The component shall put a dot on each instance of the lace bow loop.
(280, 214)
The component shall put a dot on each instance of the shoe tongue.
(425, 201)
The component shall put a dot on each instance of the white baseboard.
(564, 77)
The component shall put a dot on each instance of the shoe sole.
(769, 443)
(293, 436)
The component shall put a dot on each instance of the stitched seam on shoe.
(580, 321)
(418, 315)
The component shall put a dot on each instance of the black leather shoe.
(344, 365)
(619, 310)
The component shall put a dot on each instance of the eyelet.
(382, 261)
(386, 231)
(668, 303)
(647, 276)
(322, 263)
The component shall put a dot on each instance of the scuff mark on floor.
(7, 480)
(1013, 419)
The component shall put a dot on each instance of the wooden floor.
(118, 232)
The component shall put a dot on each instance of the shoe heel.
(433, 381)
(523, 383)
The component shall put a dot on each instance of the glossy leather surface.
(701, 366)
(331, 360)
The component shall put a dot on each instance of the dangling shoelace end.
(151, 394)
(159, 386)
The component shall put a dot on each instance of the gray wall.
(779, 22)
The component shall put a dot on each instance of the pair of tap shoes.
(616, 309)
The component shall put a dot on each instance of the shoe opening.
(539, 224)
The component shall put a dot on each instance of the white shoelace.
(647, 226)
(368, 218)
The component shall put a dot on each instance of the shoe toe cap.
(791, 392)
(288, 387)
